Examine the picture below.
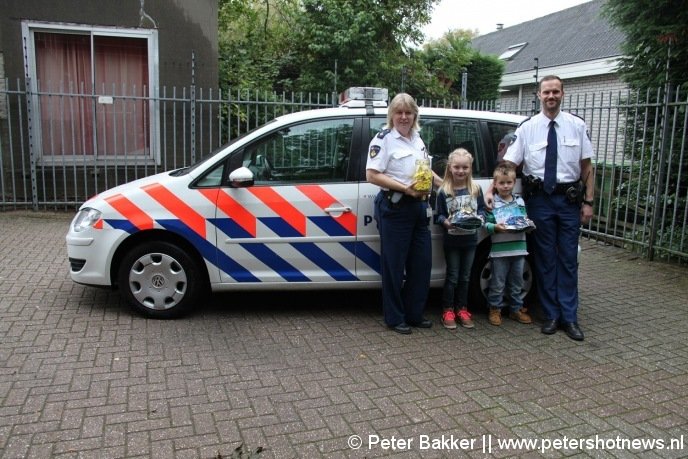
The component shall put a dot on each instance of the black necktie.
(551, 160)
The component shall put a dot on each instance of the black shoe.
(573, 331)
(549, 327)
(425, 323)
(402, 329)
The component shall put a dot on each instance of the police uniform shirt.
(394, 155)
(530, 145)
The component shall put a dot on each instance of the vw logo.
(158, 281)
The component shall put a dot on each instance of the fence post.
(464, 84)
(661, 170)
(662, 154)
(192, 96)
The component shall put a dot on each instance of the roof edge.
(603, 66)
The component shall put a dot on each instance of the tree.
(655, 56)
(342, 43)
(253, 41)
(447, 58)
(484, 76)
(656, 32)
(327, 46)
(319, 45)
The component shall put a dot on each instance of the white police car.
(283, 207)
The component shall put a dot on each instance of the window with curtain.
(92, 94)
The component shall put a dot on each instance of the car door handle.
(337, 210)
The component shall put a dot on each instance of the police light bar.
(361, 96)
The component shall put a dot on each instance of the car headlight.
(85, 219)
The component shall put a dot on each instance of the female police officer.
(403, 215)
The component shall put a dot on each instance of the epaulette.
(383, 133)
(527, 119)
(577, 116)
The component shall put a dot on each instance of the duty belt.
(404, 197)
(562, 188)
(559, 188)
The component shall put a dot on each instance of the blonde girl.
(458, 156)
(459, 199)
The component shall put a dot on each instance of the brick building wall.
(595, 99)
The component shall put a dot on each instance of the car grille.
(76, 264)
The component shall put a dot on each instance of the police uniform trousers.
(405, 258)
(556, 254)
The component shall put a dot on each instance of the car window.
(444, 135)
(376, 125)
(212, 178)
(500, 136)
(466, 134)
(436, 134)
(312, 152)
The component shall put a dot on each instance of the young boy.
(507, 224)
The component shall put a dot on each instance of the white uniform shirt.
(395, 156)
(573, 145)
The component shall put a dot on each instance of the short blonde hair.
(504, 169)
(403, 101)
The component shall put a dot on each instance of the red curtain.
(122, 72)
(63, 70)
(75, 120)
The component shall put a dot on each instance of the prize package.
(423, 175)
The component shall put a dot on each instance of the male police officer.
(556, 153)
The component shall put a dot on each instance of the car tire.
(160, 280)
(480, 280)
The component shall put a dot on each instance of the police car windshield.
(186, 170)
(212, 154)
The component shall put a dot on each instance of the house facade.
(84, 79)
(578, 44)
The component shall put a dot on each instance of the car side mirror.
(241, 178)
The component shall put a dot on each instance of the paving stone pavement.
(306, 375)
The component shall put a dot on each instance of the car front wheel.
(160, 280)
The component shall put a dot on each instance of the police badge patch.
(374, 150)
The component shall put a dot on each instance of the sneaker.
(495, 316)
(449, 319)
(521, 316)
(465, 318)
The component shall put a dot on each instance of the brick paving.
(83, 376)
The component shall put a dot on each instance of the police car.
(284, 207)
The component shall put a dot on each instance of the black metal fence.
(639, 138)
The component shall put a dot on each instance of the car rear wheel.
(160, 280)
(482, 272)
